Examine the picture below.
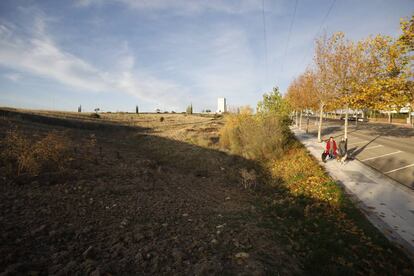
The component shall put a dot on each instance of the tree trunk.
(300, 120)
(410, 117)
(389, 117)
(356, 120)
(296, 118)
(346, 123)
(320, 123)
(307, 122)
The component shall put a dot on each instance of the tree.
(325, 87)
(189, 109)
(388, 88)
(294, 100)
(273, 103)
(80, 108)
(406, 41)
(301, 95)
(136, 110)
(308, 92)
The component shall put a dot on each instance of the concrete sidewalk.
(387, 204)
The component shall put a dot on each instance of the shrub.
(254, 137)
(95, 115)
(23, 156)
(162, 119)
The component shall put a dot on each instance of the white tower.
(221, 105)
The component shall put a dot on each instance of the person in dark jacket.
(343, 150)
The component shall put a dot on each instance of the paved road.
(384, 147)
(387, 204)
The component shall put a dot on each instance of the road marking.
(357, 143)
(379, 156)
(373, 147)
(412, 165)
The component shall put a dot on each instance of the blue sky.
(115, 54)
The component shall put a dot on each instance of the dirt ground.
(152, 197)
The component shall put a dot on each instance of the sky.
(167, 54)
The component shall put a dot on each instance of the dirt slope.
(147, 202)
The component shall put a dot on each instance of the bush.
(23, 156)
(255, 137)
(95, 115)
(162, 119)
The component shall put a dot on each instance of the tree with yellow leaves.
(326, 86)
(387, 87)
(301, 96)
(406, 41)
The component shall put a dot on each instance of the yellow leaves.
(357, 74)
(305, 178)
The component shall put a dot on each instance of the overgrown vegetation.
(264, 136)
(22, 155)
(304, 207)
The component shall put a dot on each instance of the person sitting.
(331, 147)
(343, 150)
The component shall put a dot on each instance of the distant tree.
(97, 110)
(136, 110)
(189, 109)
(80, 108)
(158, 110)
(208, 111)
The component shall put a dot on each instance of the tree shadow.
(355, 151)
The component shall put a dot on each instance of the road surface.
(384, 147)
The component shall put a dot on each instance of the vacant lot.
(143, 195)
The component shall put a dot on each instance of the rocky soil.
(144, 204)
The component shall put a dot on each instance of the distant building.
(221, 105)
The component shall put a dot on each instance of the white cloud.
(39, 55)
(12, 76)
(184, 6)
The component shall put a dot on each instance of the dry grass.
(254, 137)
(23, 155)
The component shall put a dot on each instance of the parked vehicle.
(350, 118)
(354, 118)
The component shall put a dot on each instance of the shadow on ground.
(153, 205)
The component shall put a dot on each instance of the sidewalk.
(386, 203)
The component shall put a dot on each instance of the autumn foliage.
(375, 73)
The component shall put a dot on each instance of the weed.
(95, 115)
(23, 156)
(249, 178)
(254, 137)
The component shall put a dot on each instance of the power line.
(265, 39)
(289, 34)
(319, 29)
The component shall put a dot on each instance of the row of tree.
(376, 73)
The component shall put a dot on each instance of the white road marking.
(357, 143)
(379, 156)
(373, 147)
(412, 165)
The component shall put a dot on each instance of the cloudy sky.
(115, 54)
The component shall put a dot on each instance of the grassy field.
(157, 194)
